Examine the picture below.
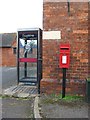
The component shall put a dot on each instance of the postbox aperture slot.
(64, 48)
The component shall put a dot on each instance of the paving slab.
(17, 108)
(23, 95)
(14, 106)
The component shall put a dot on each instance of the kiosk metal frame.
(30, 37)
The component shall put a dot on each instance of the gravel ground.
(17, 108)
(52, 108)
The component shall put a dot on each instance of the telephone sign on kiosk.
(64, 55)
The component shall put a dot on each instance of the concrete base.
(21, 90)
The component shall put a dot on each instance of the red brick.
(74, 30)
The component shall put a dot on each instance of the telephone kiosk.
(29, 56)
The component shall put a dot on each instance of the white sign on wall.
(52, 35)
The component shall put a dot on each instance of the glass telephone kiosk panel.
(29, 56)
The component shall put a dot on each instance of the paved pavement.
(0, 108)
(20, 100)
(24, 106)
(51, 108)
(17, 108)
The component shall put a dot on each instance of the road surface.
(8, 77)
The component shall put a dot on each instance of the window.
(14, 50)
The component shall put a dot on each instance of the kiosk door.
(29, 56)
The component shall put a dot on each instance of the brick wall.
(8, 58)
(74, 30)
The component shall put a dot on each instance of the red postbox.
(64, 55)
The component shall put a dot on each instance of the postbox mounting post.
(64, 63)
(64, 83)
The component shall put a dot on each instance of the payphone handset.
(29, 46)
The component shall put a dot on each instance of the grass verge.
(53, 98)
